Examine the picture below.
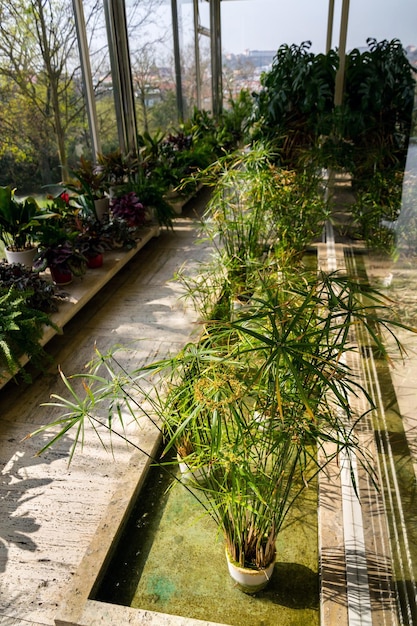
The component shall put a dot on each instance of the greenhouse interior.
(208, 344)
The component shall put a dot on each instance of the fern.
(21, 329)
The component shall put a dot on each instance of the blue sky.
(266, 24)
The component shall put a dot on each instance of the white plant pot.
(175, 200)
(263, 420)
(249, 580)
(190, 474)
(237, 305)
(25, 257)
(102, 207)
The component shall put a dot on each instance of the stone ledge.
(83, 289)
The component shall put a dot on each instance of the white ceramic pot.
(102, 207)
(237, 305)
(25, 257)
(190, 474)
(263, 420)
(249, 580)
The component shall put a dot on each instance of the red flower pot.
(61, 276)
(95, 261)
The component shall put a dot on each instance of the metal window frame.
(115, 13)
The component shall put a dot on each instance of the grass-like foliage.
(265, 388)
(248, 406)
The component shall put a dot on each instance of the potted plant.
(151, 191)
(119, 234)
(118, 170)
(19, 220)
(21, 329)
(250, 405)
(171, 162)
(92, 241)
(256, 399)
(129, 208)
(91, 188)
(58, 251)
(40, 294)
(258, 214)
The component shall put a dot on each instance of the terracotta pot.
(61, 276)
(25, 257)
(249, 580)
(95, 261)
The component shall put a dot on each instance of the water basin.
(171, 560)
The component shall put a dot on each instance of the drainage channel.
(397, 479)
(379, 529)
(358, 597)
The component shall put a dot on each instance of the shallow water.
(170, 559)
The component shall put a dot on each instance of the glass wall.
(52, 118)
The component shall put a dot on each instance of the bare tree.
(239, 73)
(37, 46)
(146, 24)
(146, 82)
(40, 74)
(190, 76)
(149, 34)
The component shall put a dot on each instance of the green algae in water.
(170, 559)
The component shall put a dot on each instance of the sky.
(267, 24)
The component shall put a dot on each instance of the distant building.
(261, 58)
(411, 52)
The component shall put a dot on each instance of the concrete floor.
(49, 511)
